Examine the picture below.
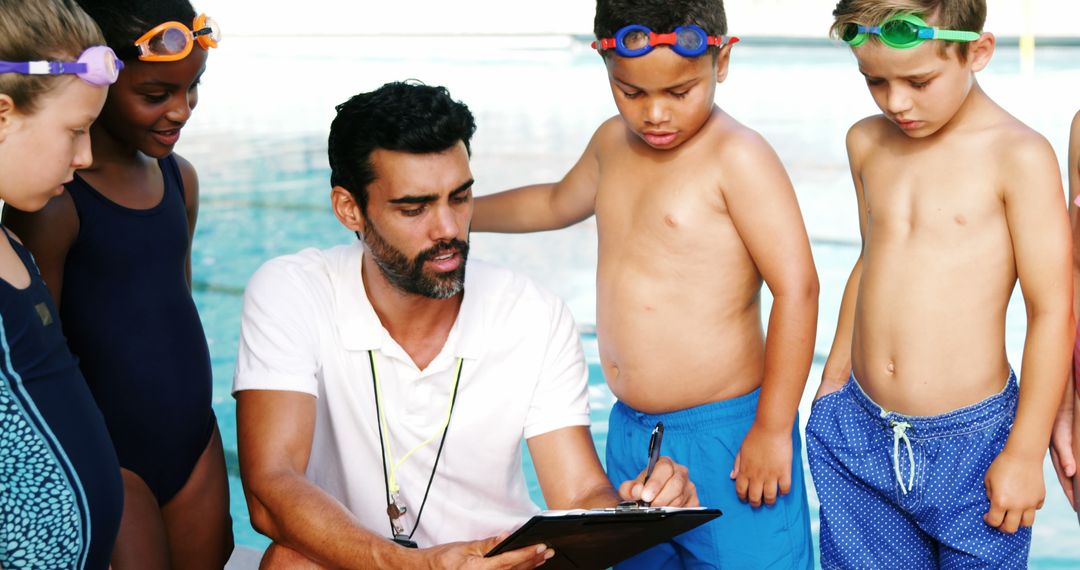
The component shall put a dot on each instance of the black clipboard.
(599, 538)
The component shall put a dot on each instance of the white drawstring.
(899, 430)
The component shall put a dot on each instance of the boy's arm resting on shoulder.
(542, 207)
(765, 212)
(1038, 227)
(191, 206)
(837, 368)
(1063, 441)
(48, 234)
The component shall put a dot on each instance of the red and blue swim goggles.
(636, 40)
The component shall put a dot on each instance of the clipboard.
(598, 538)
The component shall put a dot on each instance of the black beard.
(408, 275)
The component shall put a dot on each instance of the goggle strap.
(955, 36)
(722, 40)
(65, 67)
(202, 32)
(43, 67)
(14, 67)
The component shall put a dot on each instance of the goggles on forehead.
(903, 31)
(636, 40)
(97, 65)
(173, 41)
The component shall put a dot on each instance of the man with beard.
(383, 392)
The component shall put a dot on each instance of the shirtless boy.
(694, 211)
(931, 455)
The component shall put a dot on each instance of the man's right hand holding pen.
(663, 481)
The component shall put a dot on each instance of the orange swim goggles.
(173, 41)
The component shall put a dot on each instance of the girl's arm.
(1063, 442)
(48, 234)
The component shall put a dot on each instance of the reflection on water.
(259, 139)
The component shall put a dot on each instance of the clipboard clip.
(633, 507)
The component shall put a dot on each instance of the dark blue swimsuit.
(61, 495)
(129, 317)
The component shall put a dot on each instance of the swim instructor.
(383, 391)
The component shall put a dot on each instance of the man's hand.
(1061, 445)
(668, 486)
(467, 555)
(1016, 490)
(470, 556)
(763, 466)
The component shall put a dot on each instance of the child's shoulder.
(611, 130)
(1013, 143)
(190, 179)
(187, 170)
(870, 131)
(733, 143)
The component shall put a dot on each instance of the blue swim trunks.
(705, 439)
(907, 492)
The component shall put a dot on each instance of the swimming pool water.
(258, 141)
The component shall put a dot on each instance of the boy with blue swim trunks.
(925, 451)
(694, 213)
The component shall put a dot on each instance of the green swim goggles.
(903, 31)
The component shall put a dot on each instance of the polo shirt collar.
(361, 329)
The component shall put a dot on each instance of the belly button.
(890, 368)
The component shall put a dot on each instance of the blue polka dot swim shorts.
(907, 492)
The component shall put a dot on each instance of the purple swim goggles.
(97, 65)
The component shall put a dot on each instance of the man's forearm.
(599, 497)
(297, 514)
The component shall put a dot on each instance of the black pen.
(654, 454)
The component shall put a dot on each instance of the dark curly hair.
(124, 21)
(661, 16)
(401, 116)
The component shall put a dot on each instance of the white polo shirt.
(307, 326)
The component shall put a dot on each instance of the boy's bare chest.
(931, 194)
(659, 198)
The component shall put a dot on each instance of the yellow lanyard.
(393, 466)
(390, 467)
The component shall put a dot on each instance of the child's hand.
(1016, 490)
(829, 385)
(763, 466)
(1061, 446)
